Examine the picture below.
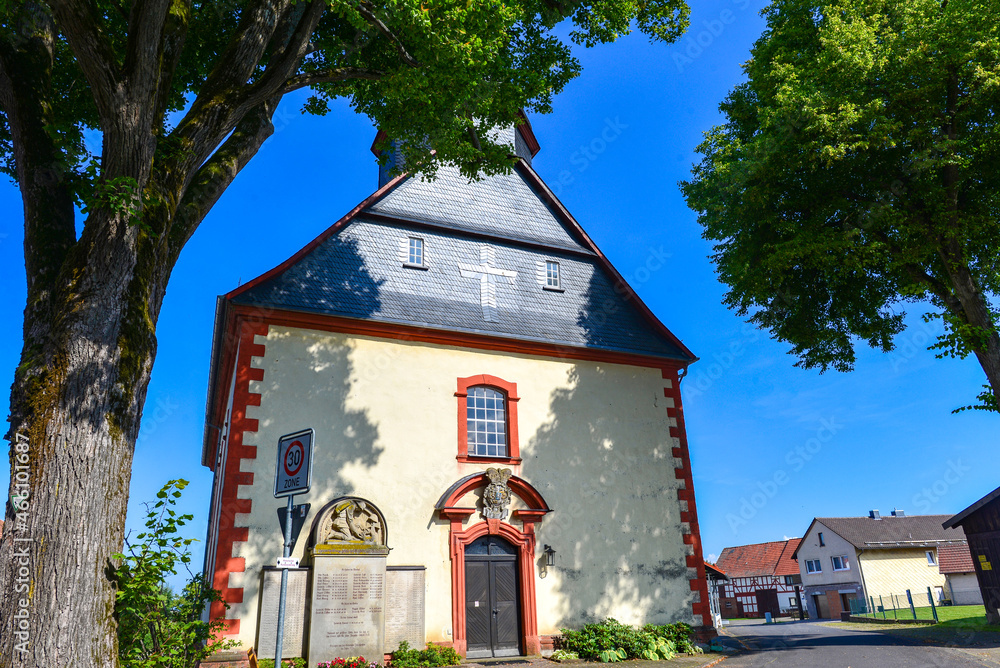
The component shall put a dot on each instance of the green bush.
(564, 655)
(680, 634)
(297, 662)
(434, 655)
(158, 628)
(611, 641)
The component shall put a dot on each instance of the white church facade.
(441, 336)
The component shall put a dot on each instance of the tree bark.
(93, 302)
(975, 311)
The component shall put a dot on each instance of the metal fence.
(907, 605)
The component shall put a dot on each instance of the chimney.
(874, 514)
(899, 513)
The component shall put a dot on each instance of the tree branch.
(26, 63)
(212, 179)
(174, 34)
(367, 11)
(288, 55)
(245, 50)
(334, 75)
(143, 49)
(79, 23)
(938, 288)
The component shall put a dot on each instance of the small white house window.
(552, 275)
(813, 566)
(821, 543)
(841, 564)
(930, 558)
(416, 254)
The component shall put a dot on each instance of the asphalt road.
(810, 644)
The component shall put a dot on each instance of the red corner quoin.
(699, 583)
(233, 477)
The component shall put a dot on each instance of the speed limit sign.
(294, 469)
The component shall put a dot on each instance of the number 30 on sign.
(293, 473)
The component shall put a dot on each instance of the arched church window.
(486, 419)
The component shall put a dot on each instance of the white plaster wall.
(834, 546)
(964, 587)
(594, 439)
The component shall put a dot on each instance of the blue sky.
(772, 445)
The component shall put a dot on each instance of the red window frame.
(509, 391)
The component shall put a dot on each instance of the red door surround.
(523, 540)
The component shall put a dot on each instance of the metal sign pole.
(285, 552)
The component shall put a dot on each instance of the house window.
(487, 420)
(840, 563)
(552, 275)
(930, 558)
(415, 254)
(813, 566)
(793, 580)
(821, 543)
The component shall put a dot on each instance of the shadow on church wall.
(607, 470)
(307, 383)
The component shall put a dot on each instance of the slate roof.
(955, 559)
(892, 532)
(357, 270)
(760, 559)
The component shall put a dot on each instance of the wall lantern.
(550, 556)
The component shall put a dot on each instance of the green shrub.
(434, 655)
(680, 634)
(564, 655)
(158, 628)
(297, 662)
(611, 641)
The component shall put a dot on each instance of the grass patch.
(960, 625)
(948, 613)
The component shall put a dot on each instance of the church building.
(496, 417)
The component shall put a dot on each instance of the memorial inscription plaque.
(347, 617)
(404, 614)
(293, 643)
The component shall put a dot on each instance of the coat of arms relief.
(496, 496)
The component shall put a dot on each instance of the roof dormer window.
(551, 278)
(414, 253)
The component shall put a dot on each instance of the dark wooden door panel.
(492, 612)
(506, 639)
(478, 613)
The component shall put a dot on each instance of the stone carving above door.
(496, 496)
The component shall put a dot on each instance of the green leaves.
(610, 641)
(156, 627)
(855, 172)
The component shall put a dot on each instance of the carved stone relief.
(496, 496)
(350, 520)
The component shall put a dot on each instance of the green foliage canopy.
(438, 75)
(856, 171)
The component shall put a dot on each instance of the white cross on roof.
(487, 275)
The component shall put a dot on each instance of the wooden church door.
(492, 614)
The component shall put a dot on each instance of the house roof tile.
(893, 532)
(759, 559)
(955, 559)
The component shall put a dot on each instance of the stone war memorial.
(347, 612)
(500, 449)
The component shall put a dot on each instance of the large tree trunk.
(75, 410)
